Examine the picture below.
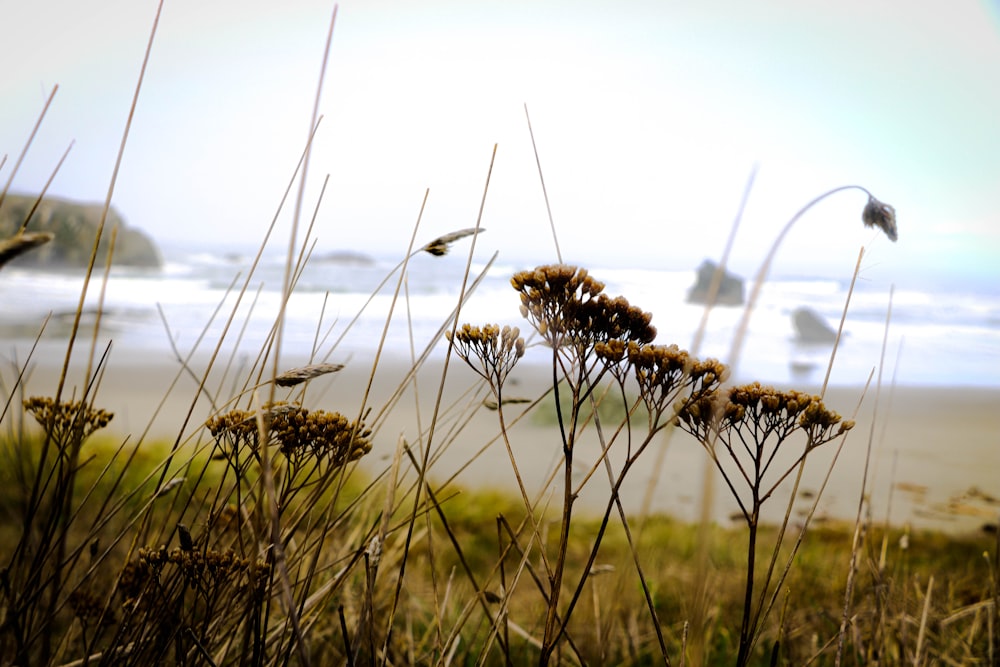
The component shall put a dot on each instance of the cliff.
(74, 228)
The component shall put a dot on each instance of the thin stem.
(545, 193)
(24, 151)
(793, 494)
(553, 629)
(855, 546)
(45, 188)
(746, 632)
(741, 329)
(700, 612)
(421, 480)
(528, 505)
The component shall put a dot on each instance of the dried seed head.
(442, 244)
(327, 437)
(495, 349)
(88, 607)
(184, 535)
(66, 418)
(22, 243)
(298, 375)
(374, 551)
(881, 215)
(567, 307)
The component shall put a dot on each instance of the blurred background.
(649, 118)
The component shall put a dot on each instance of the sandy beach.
(935, 451)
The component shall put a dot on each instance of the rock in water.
(810, 327)
(74, 228)
(730, 289)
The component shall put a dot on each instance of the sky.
(649, 117)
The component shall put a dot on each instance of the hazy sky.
(649, 117)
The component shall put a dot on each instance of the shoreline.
(933, 462)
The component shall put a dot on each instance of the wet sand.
(935, 451)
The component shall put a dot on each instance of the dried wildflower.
(228, 517)
(670, 377)
(133, 579)
(659, 371)
(769, 410)
(326, 437)
(88, 607)
(548, 291)
(496, 349)
(299, 375)
(605, 318)
(818, 421)
(442, 244)
(613, 354)
(754, 412)
(880, 215)
(567, 307)
(698, 416)
(750, 423)
(612, 351)
(238, 428)
(66, 418)
(209, 566)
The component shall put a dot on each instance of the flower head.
(66, 417)
(880, 215)
(566, 305)
(551, 296)
(442, 244)
(496, 349)
(301, 434)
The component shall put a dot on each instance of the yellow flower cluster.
(217, 568)
(567, 307)
(67, 418)
(300, 434)
(497, 349)
(763, 411)
(550, 293)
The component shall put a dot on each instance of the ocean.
(936, 337)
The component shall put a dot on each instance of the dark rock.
(74, 228)
(802, 369)
(810, 327)
(345, 257)
(730, 289)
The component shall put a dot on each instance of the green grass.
(259, 540)
(611, 625)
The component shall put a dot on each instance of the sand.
(935, 451)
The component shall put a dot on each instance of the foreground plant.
(743, 430)
(317, 440)
(32, 581)
(594, 338)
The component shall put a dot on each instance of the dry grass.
(253, 540)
